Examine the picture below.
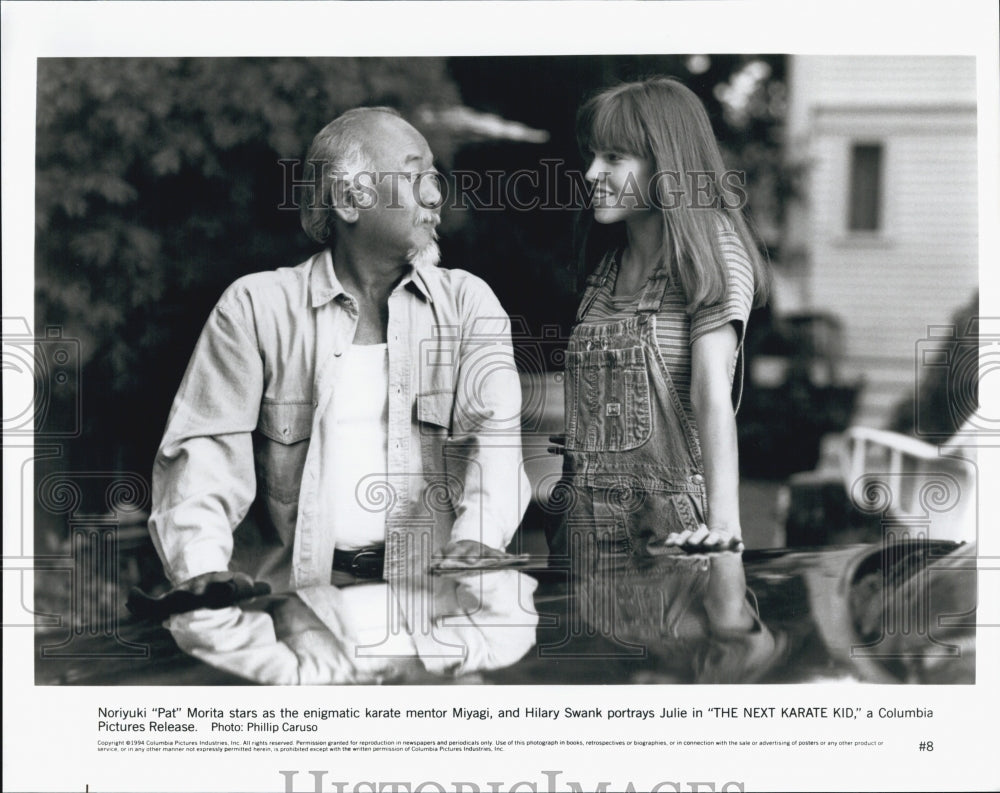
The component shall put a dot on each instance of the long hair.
(338, 150)
(662, 120)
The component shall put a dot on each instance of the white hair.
(338, 150)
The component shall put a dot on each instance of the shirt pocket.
(433, 412)
(607, 400)
(434, 409)
(285, 428)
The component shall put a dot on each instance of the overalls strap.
(595, 283)
(652, 295)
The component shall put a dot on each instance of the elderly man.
(343, 422)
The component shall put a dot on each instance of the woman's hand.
(706, 540)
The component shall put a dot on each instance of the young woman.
(652, 374)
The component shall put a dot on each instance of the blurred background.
(159, 182)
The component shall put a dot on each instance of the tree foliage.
(154, 175)
(157, 184)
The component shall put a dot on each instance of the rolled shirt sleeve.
(203, 475)
(484, 450)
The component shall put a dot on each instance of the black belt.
(362, 562)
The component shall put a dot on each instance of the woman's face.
(621, 185)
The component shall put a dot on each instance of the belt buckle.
(359, 560)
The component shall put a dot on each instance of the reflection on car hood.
(902, 612)
(899, 612)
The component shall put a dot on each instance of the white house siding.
(886, 286)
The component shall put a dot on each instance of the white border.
(49, 736)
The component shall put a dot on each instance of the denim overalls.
(633, 474)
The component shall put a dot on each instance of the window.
(866, 188)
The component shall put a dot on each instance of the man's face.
(399, 213)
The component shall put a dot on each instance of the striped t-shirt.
(676, 330)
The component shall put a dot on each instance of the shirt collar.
(324, 285)
(417, 279)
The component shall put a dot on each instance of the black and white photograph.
(523, 413)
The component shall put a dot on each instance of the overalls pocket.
(608, 400)
(687, 513)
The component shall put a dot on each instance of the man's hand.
(197, 585)
(209, 590)
(468, 556)
(225, 585)
(469, 552)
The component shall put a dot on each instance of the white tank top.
(358, 453)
